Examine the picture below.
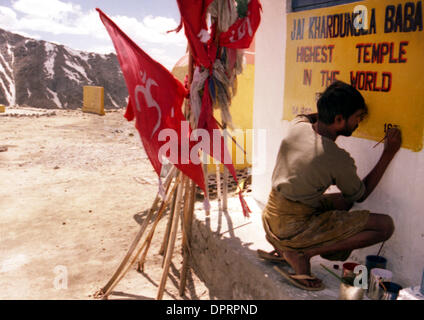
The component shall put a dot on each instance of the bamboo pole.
(102, 292)
(149, 237)
(218, 186)
(225, 190)
(188, 219)
(147, 243)
(162, 209)
(205, 175)
(168, 229)
(225, 177)
(105, 291)
(172, 237)
(167, 183)
(190, 194)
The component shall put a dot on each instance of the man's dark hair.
(339, 98)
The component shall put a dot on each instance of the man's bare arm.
(392, 145)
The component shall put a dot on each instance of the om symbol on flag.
(145, 89)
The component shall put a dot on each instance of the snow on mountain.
(47, 75)
(50, 58)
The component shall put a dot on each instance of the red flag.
(155, 101)
(203, 49)
(193, 16)
(240, 34)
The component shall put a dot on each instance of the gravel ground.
(74, 189)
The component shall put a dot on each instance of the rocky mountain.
(46, 75)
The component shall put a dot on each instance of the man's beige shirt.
(308, 163)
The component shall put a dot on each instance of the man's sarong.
(291, 225)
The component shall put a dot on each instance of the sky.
(76, 24)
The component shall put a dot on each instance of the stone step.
(224, 249)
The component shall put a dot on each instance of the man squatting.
(301, 221)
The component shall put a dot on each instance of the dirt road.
(74, 189)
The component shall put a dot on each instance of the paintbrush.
(378, 254)
(335, 275)
(385, 136)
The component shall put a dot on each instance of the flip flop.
(270, 256)
(294, 277)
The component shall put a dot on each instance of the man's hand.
(392, 145)
(393, 141)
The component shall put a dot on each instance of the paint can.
(372, 262)
(377, 275)
(391, 292)
(349, 292)
(347, 271)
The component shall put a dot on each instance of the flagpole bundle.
(214, 63)
(119, 273)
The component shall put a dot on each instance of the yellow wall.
(93, 100)
(402, 105)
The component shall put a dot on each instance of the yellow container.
(93, 100)
(2, 108)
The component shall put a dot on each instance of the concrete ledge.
(224, 252)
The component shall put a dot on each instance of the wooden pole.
(147, 242)
(167, 183)
(190, 196)
(102, 292)
(188, 219)
(172, 237)
(205, 174)
(225, 190)
(168, 229)
(152, 230)
(105, 291)
(218, 186)
(225, 178)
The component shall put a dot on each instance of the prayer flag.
(240, 34)
(155, 100)
(193, 16)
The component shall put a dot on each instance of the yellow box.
(2, 108)
(93, 100)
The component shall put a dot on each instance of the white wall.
(399, 194)
(269, 92)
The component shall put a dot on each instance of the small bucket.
(376, 262)
(377, 275)
(348, 268)
(350, 292)
(422, 284)
(372, 262)
(392, 291)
